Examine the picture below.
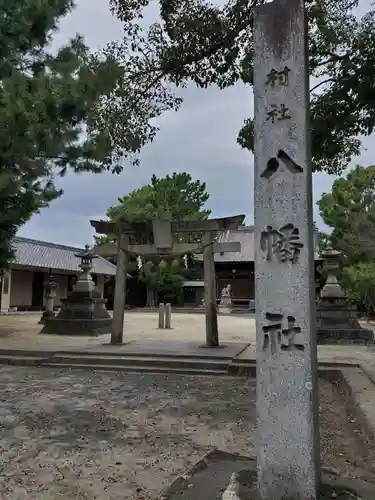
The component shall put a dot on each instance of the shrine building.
(22, 286)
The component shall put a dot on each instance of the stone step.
(137, 368)
(21, 360)
(38, 353)
(135, 360)
(236, 310)
(245, 367)
(205, 354)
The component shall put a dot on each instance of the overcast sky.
(200, 139)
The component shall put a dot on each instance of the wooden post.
(120, 294)
(212, 335)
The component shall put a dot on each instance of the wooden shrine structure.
(157, 240)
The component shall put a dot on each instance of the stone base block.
(224, 476)
(47, 315)
(225, 310)
(344, 336)
(84, 327)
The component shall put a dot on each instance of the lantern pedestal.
(50, 293)
(336, 318)
(83, 311)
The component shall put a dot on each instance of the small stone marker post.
(287, 399)
(165, 313)
(161, 315)
(168, 315)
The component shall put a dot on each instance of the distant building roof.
(244, 235)
(45, 255)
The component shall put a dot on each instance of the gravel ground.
(105, 435)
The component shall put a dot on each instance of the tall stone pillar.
(287, 397)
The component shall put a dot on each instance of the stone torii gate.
(162, 232)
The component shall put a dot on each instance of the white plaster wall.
(5, 297)
(21, 286)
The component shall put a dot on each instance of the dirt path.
(96, 435)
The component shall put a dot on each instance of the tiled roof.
(244, 235)
(45, 255)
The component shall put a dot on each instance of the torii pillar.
(163, 245)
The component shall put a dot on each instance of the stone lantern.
(86, 256)
(50, 292)
(83, 311)
(336, 318)
(331, 265)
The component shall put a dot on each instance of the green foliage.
(350, 211)
(324, 242)
(100, 240)
(164, 281)
(197, 41)
(168, 285)
(134, 207)
(48, 102)
(19, 198)
(132, 268)
(174, 197)
(359, 284)
(194, 269)
(56, 112)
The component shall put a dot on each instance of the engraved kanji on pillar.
(287, 422)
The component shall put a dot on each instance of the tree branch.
(334, 58)
(322, 83)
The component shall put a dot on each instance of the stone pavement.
(185, 339)
(22, 332)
